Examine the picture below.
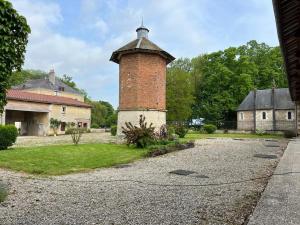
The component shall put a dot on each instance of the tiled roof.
(48, 99)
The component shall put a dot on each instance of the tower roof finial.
(142, 32)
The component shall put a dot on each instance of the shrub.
(54, 124)
(290, 133)
(8, 136)
(113, 130)
(181, 131)
(209, 128)
(260, 132)
(76, 134)
(140, 136)
(171, 130)
(3, 192)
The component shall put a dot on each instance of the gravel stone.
(145, 192)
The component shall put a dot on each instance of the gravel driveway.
(29, 141)
(222, 189)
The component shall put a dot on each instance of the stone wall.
(282, 121)
(72, 114)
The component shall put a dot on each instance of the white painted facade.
(158, 118)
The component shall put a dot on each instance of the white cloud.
(184, 28)
(67, 55)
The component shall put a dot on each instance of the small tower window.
(60, 88)
(289, 115)
(264, 115)
(63, 109)
(242, 116)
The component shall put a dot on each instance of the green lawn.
(63, 159)
(194, 135)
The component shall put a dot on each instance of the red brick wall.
(142, 82)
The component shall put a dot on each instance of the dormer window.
(60, 88)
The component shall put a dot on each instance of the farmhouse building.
(142, 77)
(269, 110)
(31, 105)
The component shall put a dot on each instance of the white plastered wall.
(158, 118)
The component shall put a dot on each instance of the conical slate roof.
(140, 45)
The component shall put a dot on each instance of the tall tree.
(179, 91)
(14, 32)
(19, 77)
(224, 78)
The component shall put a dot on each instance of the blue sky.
(77, 37)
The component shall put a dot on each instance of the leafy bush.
(54, 124)
(113, 130)
(181, 131)
(140, 136)
(290, 133)
(209, 128)
(163, 133)
(171, 130)
(76, 134)
(260, 132)
(3, 192)
(156, 150)
(8, 136)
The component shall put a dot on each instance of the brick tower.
(142, 81)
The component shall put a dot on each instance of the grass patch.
(3, 192)
(194, 136)
(64, 159)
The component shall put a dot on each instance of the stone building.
(142, 80)
(31, 105)
(269, 110)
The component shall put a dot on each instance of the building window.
(60, 88)
(289, 115)
(62, 126)
(264, 115)
(63, 109)
(242, 116)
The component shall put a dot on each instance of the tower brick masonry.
(142, 77)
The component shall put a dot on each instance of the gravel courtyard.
(29, 141)
(223, 189)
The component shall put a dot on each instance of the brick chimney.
(51, 76)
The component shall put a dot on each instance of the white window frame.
(241, 116)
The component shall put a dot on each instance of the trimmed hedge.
(8, 136)
(209, 128)
(156, 150)
(113, 130)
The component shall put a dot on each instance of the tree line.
(211, 86)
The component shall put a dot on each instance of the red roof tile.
(49, 99)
